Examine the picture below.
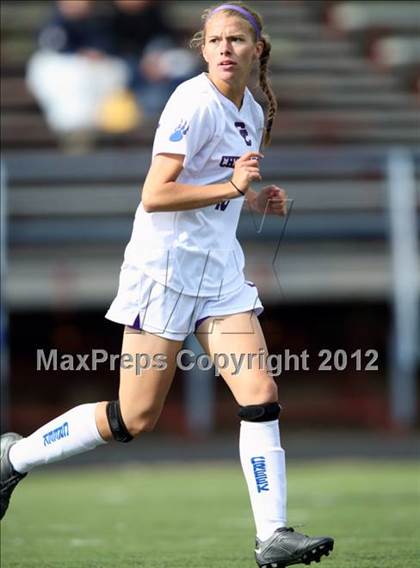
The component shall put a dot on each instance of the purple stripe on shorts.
(136, 324)
(200, 321)
(250, 283)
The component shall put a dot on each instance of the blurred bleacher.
(347, 79)
(328, 89)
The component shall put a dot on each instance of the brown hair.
(263, 81)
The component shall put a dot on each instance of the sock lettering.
(56, 434)
(260, 473)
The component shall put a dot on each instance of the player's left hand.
(271, 200)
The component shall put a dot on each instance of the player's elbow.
(152, 198)
(149, 204)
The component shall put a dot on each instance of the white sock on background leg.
(71, 433)
(264, 467)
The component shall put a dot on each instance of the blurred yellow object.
(119, 113)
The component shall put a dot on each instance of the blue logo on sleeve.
(179, 132)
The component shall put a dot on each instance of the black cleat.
(286, 547)
(9, 478)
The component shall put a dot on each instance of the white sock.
(263, 464)
(71, 433)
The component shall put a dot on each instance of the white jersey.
(196, 251)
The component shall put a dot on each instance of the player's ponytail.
(263, 81)
(265, 86)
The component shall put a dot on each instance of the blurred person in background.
(75, 67)
(183, 273)
(103, 65)
(150, 46)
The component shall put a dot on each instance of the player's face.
(229, 48)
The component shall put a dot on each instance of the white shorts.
(143, 303)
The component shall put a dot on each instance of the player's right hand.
(247, 170)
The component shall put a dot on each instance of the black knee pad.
(260, 412)
(116, 422)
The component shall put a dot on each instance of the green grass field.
(198, 516)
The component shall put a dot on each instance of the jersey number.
(222, 205)
(243, 132)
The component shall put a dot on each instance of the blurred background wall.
(81, 91)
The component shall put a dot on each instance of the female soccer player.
(183, 273)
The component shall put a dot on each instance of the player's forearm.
(173, 196)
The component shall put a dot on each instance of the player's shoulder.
(193, 94)
(197, 84)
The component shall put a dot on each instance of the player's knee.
(271, 391)
(263, 391)
(143, 421)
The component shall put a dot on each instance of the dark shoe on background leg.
(9, 478)
(286, 547)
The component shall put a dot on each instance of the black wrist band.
(237, 188)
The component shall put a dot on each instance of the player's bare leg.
(143, 390)
(262, 457)
(141, 396)
(240, 334)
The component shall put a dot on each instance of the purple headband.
(242, 11)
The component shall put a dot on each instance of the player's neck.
(233, 93)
